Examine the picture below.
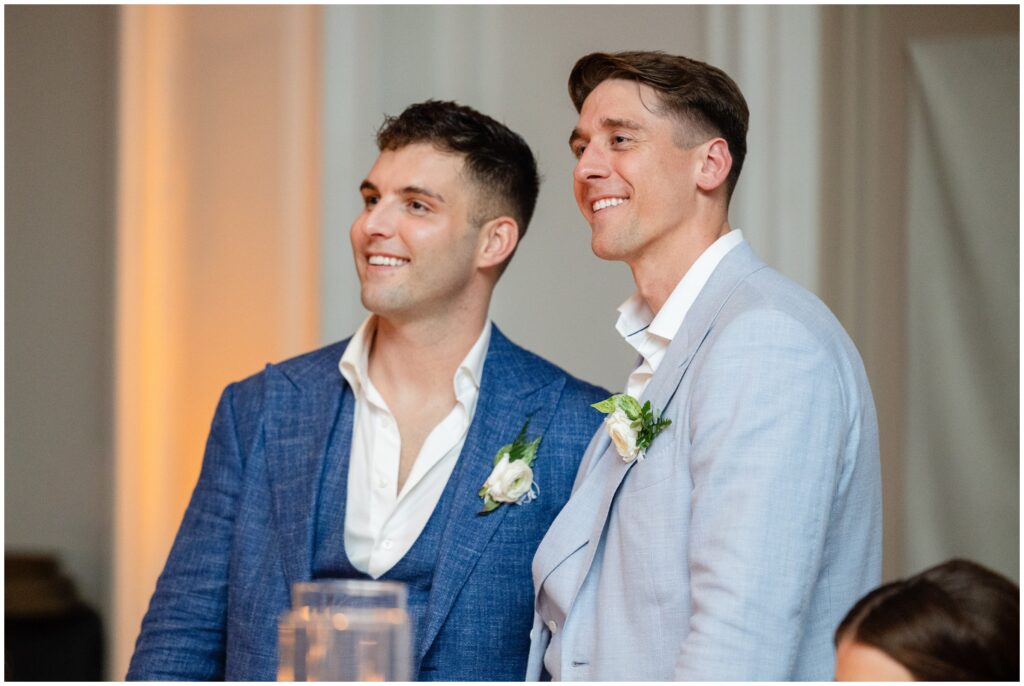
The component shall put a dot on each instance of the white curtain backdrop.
(963, 469)
(513, 62)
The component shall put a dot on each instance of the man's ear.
(715, 164)
(498, 238)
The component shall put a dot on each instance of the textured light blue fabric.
(736, 547)
(257, 516)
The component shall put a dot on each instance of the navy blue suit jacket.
(248, 532)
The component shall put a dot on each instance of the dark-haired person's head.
(957, 621)
(444, 207)
(704, 100)
(497, 160)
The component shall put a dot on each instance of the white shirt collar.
(381, 522)
(355, 363)
(650, 334)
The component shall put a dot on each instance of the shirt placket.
(386, 453)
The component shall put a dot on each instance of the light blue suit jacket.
(754, 523)
(250, 530)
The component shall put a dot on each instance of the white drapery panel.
(963, 470)
(513, 63)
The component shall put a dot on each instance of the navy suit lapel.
(303, 406)
(511, 390)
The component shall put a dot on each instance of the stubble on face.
(418, 210)
(630, 154)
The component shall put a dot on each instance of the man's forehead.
(618, 103)
(418, 164)
(625, 93)
(425, 153)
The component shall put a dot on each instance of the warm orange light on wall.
(218, 267)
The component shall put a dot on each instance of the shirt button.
(383, 483)
(382, 422)
(552, 625)
(386, 544)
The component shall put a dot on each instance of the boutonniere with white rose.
(511, 480)
(631, 427)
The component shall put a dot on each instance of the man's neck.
(422, 355)
(657, 272)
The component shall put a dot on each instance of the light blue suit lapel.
(610, 471)
(736, 266)
(584, 517)
(573, 527)
(595, 450)
(302, 408)
(602, 470)
(509, 393)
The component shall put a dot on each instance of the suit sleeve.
(766, 430)
(183, 632)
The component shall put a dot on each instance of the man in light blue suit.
(728, 544)
(382, 456)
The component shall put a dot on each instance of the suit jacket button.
(552, 625)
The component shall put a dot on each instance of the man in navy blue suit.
(380, 457)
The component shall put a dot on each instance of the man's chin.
(605, 251)
(380, 304)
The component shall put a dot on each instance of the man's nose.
(591, 164)
(379, 221)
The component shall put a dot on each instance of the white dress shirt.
(650, 334)
(382, 524)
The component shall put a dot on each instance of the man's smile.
(603, 203)
(386, 261)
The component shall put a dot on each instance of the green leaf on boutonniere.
(489, 504)
(511, 480)
(621, 401)
(631, 426)
(501, 453)
(521, 449)
(650, 426)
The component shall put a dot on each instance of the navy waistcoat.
(330, 561)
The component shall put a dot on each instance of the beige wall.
(59, 230)
(218, 249)
(512, 62)
(864, 249)
(963, 249)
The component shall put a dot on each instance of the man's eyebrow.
(413, 190)
(420, 190)
(611, 123)
(607, 123)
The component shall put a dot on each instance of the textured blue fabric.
(258, 522)
(330, 561)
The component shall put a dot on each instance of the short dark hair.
(957, 621)
(497, 159)
(698, 94)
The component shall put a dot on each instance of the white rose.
(509, 481)
(623, 435)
